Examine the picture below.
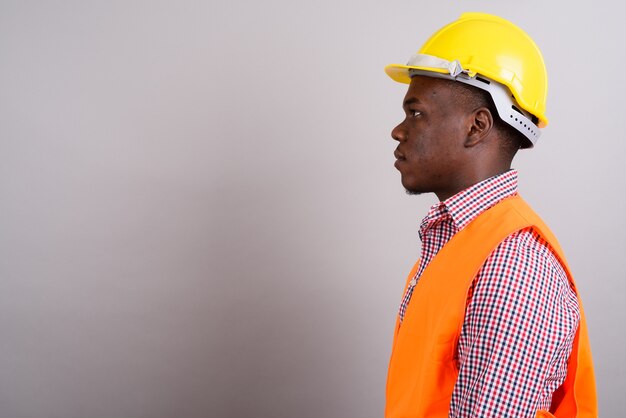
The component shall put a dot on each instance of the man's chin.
(412, 192)
(411, 189)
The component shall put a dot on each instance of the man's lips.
(399, 155)
(399, 158)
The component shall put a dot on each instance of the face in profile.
(430, 138)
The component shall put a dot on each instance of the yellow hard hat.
(481, 46)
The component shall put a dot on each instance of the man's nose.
(399, 133)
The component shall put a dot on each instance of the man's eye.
(414, 113)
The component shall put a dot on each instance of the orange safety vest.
(424, 363)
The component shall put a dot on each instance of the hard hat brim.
(400, 72)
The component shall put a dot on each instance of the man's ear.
(481, 123)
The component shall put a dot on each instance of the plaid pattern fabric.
(521, 313)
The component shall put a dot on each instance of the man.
(490, 324)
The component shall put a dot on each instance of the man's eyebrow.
(410, 101)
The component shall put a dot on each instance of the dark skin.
(445, 143)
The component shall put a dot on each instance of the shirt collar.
(466, 205)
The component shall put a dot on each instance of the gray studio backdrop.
(199, 211)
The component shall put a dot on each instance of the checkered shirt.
(521, 313)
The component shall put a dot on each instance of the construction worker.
(491, 323)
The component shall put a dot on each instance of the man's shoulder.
(531, 256)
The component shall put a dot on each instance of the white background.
(199, 211)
